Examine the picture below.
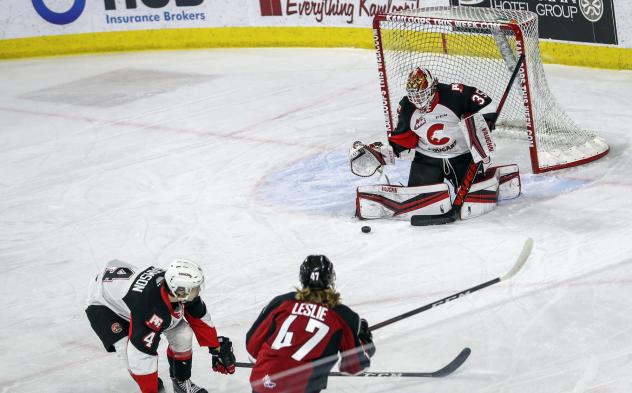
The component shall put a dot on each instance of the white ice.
(237, 159)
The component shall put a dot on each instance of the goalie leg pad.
(482, 198)
(509, 181)
(386, 201)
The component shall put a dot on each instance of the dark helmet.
(317, 272)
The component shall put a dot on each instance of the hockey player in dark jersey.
(441, 122)
(129, 308)
(429, 118)
(297, 337)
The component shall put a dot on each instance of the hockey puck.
(366, 229)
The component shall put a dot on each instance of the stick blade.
(438, 219)
(442, 372)
(453, 365)
(522, 259)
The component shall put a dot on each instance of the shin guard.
(180, 364)
(509, 181)
(386, 201)
(482, 198)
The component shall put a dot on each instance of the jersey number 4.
(284, 338)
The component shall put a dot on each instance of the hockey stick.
(522, 259)
(470, 174)
(442, 372)
(465, 353)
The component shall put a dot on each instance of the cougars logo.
(434, 137)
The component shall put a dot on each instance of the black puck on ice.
(366, 229)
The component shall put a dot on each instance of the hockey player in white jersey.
(441, 122)
(129, 308)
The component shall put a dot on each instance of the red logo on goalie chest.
(435, 139)
(116, 328)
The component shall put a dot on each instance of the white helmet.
(184, 279)
(421, 88)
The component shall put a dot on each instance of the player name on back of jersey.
(143, 279)
(310, 310)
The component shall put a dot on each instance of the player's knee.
(180, 338)
(120, 348)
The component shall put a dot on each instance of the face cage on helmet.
(422, 99)
(185, 295)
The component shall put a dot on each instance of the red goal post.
(480, 47)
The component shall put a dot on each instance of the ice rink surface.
(238, 159)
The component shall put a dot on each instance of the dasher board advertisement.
(33, 18)
(590, 21)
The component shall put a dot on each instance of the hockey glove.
(223, 356)
(491, 118)
(397, 149)
(366, 338)
(403, 141)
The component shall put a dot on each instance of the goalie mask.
(184, 279)
(421, 88)
(317, 272)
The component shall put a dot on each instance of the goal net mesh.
(480, 47)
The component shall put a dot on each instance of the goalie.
(452, 143)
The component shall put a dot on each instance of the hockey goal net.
(480, 47)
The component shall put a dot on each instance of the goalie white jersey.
(439, 132)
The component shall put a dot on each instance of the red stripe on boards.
(276, 8)
(270, 7)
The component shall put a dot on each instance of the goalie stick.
(470, 174)
(442, 372)
(522, 259)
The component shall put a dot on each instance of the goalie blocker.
(399, 202)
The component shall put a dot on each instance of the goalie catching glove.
(223, 357)
(365, 160)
